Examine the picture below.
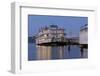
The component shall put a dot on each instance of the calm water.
(55, 52)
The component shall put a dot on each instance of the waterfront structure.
(72, 40)
(51, 35)
(83, 38)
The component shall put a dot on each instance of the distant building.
(50, 34)
(73, 40)
(83, 38)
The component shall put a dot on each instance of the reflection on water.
(43, 53)
(36, 52)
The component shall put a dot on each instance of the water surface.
(36, 52)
